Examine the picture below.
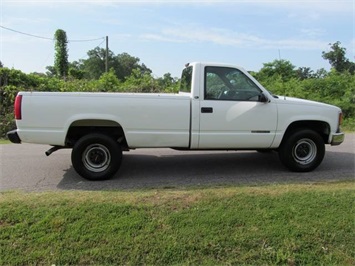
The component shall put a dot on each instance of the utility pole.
(106, 63)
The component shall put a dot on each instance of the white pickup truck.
(220, 107)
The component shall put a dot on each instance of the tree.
(109, 81)
(140, 81)
(1, 65)
(126, 64)
(167, 80)
(61, 64)
(75, 71)
(51, 72)
(282, 68)
(168, 83)
(122, 64)
(320, 73)
(337, 59)
(305, 73)
(94, 66)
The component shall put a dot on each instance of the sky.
(165, 35)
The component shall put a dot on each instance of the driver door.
(232, 114)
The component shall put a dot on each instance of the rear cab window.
(186, 80)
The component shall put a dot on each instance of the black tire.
(96, 157)
(302, 150)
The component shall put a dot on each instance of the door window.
(224, 83)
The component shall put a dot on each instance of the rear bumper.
(13, 136)
(337, 139)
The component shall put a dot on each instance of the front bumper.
(337, 139)
(13, 136)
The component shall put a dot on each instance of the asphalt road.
(25, 167)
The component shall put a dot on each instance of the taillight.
(18, 102)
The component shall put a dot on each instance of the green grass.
(278, 224)
(4, 141)
(348, 125)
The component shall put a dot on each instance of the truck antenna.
(283, 85)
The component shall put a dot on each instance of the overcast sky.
(167, 34)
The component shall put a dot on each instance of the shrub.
(334, 88)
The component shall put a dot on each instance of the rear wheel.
(302, 151)
(96, 157)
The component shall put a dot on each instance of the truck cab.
(230, 109)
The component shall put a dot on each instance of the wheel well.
(322, 128)
(81, 128)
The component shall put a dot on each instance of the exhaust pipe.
(53, 149)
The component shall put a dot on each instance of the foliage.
(11, 82)
(336, 89)
(278, 224)
(94, 66)
(109, 82)
(337, 59)
(127, 74)
(139, 81)
(51, 72)
(304, 73)
(61, 63)
(75, 72)
(281, 68)
(7, 122)
(127, 64)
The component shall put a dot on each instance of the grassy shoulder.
(277, 224)
(4, 141)
(348, 125)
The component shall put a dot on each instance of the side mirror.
(263, 98)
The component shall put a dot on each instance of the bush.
(141, 82)
(109, 82)
(7, 123)
(334, 88)
(7, 98)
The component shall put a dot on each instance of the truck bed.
(145, 118)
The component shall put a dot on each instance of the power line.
(23, 33)
(88, 40)
(51, 39)
(97, 46)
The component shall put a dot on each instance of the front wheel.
(96, 157)
(302, 151)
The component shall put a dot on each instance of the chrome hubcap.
(305, 151)
(96, 158)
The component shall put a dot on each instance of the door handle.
(205, 110)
